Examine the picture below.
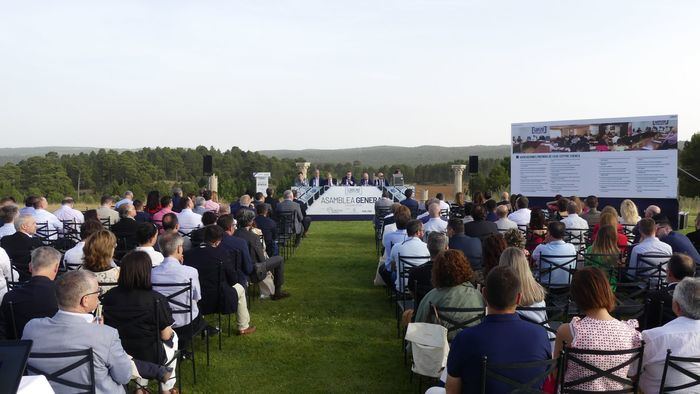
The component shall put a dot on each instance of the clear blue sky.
(332, 74)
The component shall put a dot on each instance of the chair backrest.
(499, 373)
(285, 223)
(85, 358)
(561, 267)
(135, 316)
(171, 291)
(576, 356)
(684, 376)
(446, 316)
(631, 300)
(553, 317)
(71, 229)
(404, 265)
(651, 266)
(576, 236)
(46, 232)
(106, 222)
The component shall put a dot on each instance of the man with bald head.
(435, 223)
(649, 213)
(19, 245)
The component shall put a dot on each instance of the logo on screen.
(539, 130)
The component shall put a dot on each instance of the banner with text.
(346, 200)
(620, 157)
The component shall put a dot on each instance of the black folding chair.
(547, 265)
(631, 300)
(445, 315)
(106, 223)
(672, 364)
(650, 267)
(285, 233)
(46, 233)
(554, 317)
(86, 357)
(404, 299)
(577, 237)
(498, 373)
(574, 355)
(171, 291)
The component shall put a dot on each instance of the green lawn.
(335, 334)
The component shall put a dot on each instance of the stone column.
(458, 170)
(213, 183)
(303, 167)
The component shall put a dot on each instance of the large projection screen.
(634, 157)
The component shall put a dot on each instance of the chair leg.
(207, 340)
(229, 325)
(194, 368)
(220, 331)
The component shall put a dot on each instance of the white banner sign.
(262, 180)
(346, 200)
(621, 157)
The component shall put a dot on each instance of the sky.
(336, 74)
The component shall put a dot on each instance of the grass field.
(336, 334)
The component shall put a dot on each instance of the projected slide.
(620, 157)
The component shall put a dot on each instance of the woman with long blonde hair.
(628, 212)
(610, 219)
(98, 254)
(532, 293)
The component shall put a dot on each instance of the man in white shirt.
(681, 336)
(146, 237)
(559, 257)
(443, 205)
(8, 214)
(576, 225)
(105, 211)
(66, 213)
(649, 245)
(48, 224)
(171, 270)
(187, 218)
(128, 199)
(503, 223)
(413, 247)
(391, 238)
(435, 223)
(522, 216)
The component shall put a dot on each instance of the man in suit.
(364, 181)
(288, 206)
(410, 202)
(480, 227)
(125, 228)
(305, 221)
(275, 264)
(329, 181)
(206, 259)
(316, 181)
(36, 298)
(73, 328)
(268, 228)
(271, 199)
(470, 246)
(300, 181)
(379, 181)
(19, 245)
(348, 179)
(236, 246)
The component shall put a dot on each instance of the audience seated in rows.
(171, 224)
(493, 247)
(660, 308)
(648, 245)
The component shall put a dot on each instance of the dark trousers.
(306, 223)
(184, 333)
(275, 264)
(386, 276)
(148, 370)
